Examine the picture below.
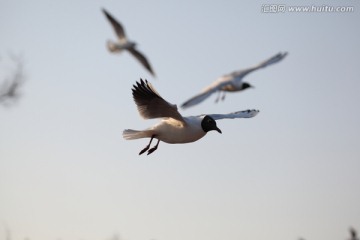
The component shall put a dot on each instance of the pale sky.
(292, 171)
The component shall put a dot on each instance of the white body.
(118, 47)
(171, 131)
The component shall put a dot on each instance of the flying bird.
(124, 44)
(173, 128)
(232, 82)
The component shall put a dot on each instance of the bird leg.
(154, 148)
(218, 97)
(223, 96)
(148, 146)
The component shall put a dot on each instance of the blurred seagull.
(173, 128)
(124, 44)
(232, 82)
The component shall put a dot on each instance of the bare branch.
(353, 234)
(9, 87)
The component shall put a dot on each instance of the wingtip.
(182, 106)
(104, 11)
(137, 84)
(142, 82)
(185, 105)
(142, 85)
(251, 112)
(255, 112)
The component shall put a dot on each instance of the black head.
(246, 85)
(208, 124)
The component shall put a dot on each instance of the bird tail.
(130, 134)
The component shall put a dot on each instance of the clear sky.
(292, 171)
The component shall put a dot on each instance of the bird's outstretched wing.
(198, 98)
(139, 56)
(119, 30)
(240, 114)
(207, 92)
(151, 105)
(274, 59)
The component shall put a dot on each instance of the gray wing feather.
(139, 56)
(118, 28)
(207, 92)
(274, 59)
(239, 114)
(197, 99)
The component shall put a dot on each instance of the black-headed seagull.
(174, 128)
(232, 82)
(124, 44)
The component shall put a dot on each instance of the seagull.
(124, 44)
(173, 128)
(232, 82)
